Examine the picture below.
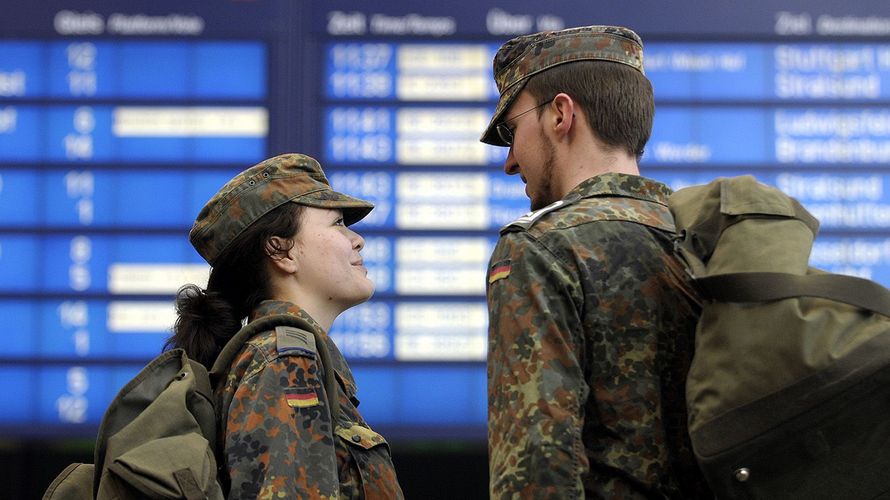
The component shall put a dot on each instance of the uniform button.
(357, 439)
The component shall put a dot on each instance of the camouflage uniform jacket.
(277, 431)
(591, 335)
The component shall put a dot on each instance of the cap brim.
(354, 209)
(491, 136)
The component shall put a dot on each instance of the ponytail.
(205, 321)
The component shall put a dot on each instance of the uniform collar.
(271, 307)
(615, 184)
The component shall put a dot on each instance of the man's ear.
(282, 254)
(564, 114)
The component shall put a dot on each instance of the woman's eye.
(338, 222)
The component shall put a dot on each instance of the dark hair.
(616, 98)
(207, 319)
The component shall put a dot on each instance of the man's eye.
(339, 222)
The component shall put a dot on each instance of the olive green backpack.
(158, 437)
(789, 389)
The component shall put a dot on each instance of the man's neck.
(581, 164)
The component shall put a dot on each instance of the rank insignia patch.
(295, 341)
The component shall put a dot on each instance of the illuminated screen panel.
(116, 126)
(109, 144)
(401, 119)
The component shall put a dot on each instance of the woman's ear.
(282, 254)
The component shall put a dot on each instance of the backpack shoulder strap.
(761, 287)
(266, 323)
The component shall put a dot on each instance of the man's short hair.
(522, 58)
(616, 98)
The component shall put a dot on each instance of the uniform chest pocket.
(372, 458)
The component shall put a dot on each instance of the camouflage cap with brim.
(260, 189)
(524, 56)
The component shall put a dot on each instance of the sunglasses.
(506, 133)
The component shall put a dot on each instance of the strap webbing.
(188, 485)
(762, 287)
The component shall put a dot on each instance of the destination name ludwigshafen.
(832, 136)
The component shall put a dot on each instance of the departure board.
(117, 122)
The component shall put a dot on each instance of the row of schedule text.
(701, 71)
(79, 199)
(405, 266)
(86, 69)
(135, 330)
(79, 394)
(712, 136)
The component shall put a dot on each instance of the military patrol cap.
(260, 189)
(524, 56)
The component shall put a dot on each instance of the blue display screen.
(142, 70)
(112, 139)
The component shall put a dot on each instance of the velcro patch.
(302, 397)
(499, 271)
(293, 340)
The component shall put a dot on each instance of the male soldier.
(591, 323)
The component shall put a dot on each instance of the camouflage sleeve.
(278, 432)
(535, 380)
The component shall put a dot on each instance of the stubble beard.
(545, 195)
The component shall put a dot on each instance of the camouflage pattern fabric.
(591, 335)
(525, 56)
(260, 189)
(278, 435)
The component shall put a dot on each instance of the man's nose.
(511, 166)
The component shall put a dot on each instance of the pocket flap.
(155, 467)
(358, 435)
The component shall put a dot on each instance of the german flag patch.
(301, 397)
(499, 271)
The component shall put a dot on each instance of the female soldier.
(277, 239)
